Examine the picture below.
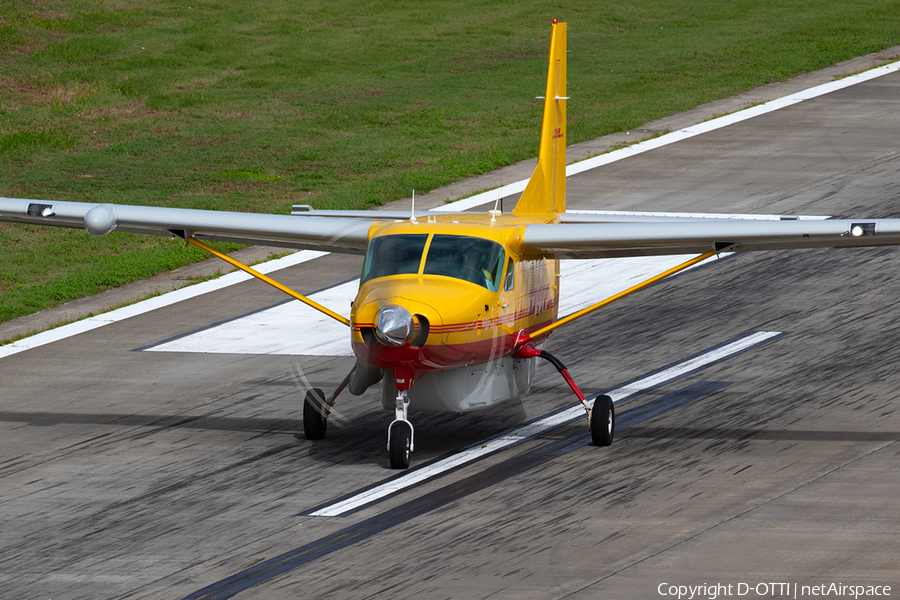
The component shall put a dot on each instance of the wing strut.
(269, 280)
(526, 338)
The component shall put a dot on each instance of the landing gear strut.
(400, 433)
(601, 416)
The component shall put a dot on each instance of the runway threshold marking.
(540, 426)
(516, 465)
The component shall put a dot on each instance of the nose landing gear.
(316, 408)
(400, 433)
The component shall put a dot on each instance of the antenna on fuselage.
(412, 216)
(495, 212)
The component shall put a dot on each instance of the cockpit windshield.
(394, 255)
(472, 259)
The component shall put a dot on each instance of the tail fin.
(546, 190)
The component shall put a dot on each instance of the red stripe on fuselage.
(431, 357)
(483, 323)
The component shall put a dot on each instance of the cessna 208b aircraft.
(453, 309)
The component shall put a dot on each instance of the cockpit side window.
(510, 276)
(394, 255)
(477, 260)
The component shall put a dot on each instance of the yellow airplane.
(453, 309)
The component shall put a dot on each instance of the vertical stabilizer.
(546, 190)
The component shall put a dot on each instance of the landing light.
(394, 325)
(860, 229)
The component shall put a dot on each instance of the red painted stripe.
(441, 356)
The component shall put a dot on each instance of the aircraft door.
(504, 309)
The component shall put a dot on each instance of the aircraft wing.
(318, 233)
(677, 236)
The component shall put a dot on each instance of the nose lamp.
(394, 326)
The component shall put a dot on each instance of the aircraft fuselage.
(456, 300)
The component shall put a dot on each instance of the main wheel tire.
(603, 421)
(401, 442)
(315, 414)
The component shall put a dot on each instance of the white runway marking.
(536, 428)
(294, 328)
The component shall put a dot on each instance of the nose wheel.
(400, 444)
(400, 433)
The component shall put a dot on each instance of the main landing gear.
(601, 415)
(315, 414)
(602, 421)
(316, 409)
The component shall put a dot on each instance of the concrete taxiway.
(133, 474)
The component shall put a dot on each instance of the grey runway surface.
(129, 474)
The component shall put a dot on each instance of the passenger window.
(510, 276)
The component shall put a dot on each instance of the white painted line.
(682, 134)
(145, 306)
(536, 428)
(461, 458)
(483, 198)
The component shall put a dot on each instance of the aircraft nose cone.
(394, 325)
